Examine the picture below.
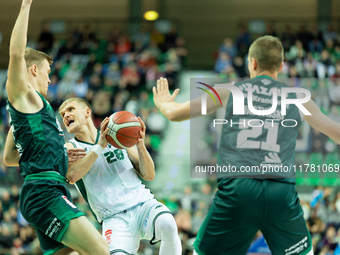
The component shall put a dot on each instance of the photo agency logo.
(245, 94)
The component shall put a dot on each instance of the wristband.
(98, 149)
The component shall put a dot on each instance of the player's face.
(73, 115)
(43, 78)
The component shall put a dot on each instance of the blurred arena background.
(106, 52)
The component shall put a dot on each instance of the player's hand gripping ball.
(124, 129)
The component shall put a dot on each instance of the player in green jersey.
(36, 143)
(242, 206)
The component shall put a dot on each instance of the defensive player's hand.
(161, 94)
(75, 154)
(24, 2)
(103, 132)
(142, 134)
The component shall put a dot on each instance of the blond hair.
(74, 99)
(268, 52)
(35, 57)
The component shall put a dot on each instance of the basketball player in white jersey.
(107, 178)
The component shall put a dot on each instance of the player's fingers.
(143, 124)
(159, 84)
(80, 154)
(106, 131)
(174, 95)
(104, 124)
(154, 91)
(165, 84)
(142, 134)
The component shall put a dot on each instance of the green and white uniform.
(248, 201)
(44, 199)
(118, 199)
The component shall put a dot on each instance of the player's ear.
(88, 112)
(254, 63)
(280, 67)
(34, 70)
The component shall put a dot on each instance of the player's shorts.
(45, 203)
(124, 230)
(243, 206)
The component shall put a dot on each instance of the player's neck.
(88, 134)
(32, 82)
(266, 73)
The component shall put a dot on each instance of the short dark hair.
(268, 52)
(35, 57)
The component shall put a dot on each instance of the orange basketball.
(124, 130)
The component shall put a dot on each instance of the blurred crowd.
(117, 73)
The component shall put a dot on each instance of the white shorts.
(124, 230)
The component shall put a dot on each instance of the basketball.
(124, 129)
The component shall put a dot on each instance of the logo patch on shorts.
(108, 234)
(54, 227)
(69, 202)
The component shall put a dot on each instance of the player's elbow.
(150, 177)
(8, 161)
(71, 178)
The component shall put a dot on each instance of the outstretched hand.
(103, 132)
(27, 1)
(161, 94)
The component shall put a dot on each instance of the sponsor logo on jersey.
(108, 234)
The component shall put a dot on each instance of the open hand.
(27, 2)
(161, 94)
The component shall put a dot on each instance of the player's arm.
(141, 159)
(17, 82)
(11, 154)
(321, 122)
(79, 168)
(173, 111)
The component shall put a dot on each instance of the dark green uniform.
(250, 199)
(44, 199)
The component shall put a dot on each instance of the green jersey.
(260, 146)
(39, 139)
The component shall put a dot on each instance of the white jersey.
(112, 185)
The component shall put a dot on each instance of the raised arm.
(141, 158)
(321, 122)
(17, 82)
(11, 154)
(79, 168)
(173, 111)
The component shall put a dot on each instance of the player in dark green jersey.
(269, 203)
(35, 142)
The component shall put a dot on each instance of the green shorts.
(45, 203)
(244, 206)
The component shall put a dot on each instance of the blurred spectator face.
(101, 104)
(324, 54)
(298, 44)
(228, 42)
